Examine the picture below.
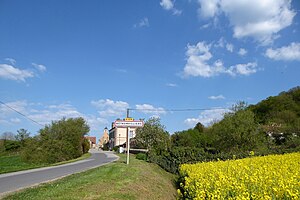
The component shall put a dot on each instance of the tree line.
(270, 127)
(60, 141)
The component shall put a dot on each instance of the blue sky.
(94, 59)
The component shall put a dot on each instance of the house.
(117, 135)
(92, 141)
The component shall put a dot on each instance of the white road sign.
(121, 123)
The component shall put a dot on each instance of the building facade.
(104, 139)
(117, 136)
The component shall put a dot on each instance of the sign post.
(128, 145)
(128, 123)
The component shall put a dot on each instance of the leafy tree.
(22, 136)
(153, 136)
(237, 131)
(60, 141)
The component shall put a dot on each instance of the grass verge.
(13, 163)
(138, 180)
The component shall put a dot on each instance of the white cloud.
(243, 69)
(143, 23)
(287, 53)
(15, 120)
(208, 8)
(39, 67)
(169, 5)
(45, 114)
(261, 20)
(20, 106)
(198, 58)
(11, 61)
(150, 109)
(54, 113)
(216, 97)
(229, 47)
(171, 85)
(207, 117)
(12, 73)
(242, 52)
(110, 108)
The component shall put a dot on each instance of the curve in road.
(11, 182)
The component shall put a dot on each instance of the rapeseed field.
(267, 177)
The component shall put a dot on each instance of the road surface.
(11, 182)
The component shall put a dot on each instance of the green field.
(12, 162)
(139, 180)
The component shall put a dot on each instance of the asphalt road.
(11, 182)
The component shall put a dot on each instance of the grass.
(138, 180)
(12, 162)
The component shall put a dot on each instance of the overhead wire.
(21, 114)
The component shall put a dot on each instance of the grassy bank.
(12, 162)
(139, 180)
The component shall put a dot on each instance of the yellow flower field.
(268, 177)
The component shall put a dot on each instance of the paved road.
(18, 180)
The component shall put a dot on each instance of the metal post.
(127, 137)
(128, 145)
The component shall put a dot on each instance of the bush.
(11, 145)
(141, 156)
(60, 141)
(85, 145)
(116, 149)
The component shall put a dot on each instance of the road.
(11, 182)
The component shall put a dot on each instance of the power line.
(176, 110)
(21, 114)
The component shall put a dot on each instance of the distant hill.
(283, 108)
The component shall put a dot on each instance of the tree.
(153, 136)
(7, 136)
(60, 141)
(22, 136)
(237, 131)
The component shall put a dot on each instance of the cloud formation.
(10, 72)
(150, 109)
(110, 108)
(39, 67)
(286, 53)
(270, 17)
(207, 117)
(199, 63)
(242, 52)
(142, 23)
(169, 5)
(216, 97)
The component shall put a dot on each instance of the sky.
(94, 59)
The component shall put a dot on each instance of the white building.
(117, 136)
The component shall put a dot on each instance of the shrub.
(11, 145)
(141, 156)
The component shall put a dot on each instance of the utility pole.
(128, 140)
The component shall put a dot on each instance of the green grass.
(138, 180)
(12, 162)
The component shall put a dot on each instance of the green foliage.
(10, 145)
(237, 131)
(141, 156)
(22, 136)
(60, 141)
(270, 127)
(197, 137)
(153, 136)
(115, 149)
(85, 145)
